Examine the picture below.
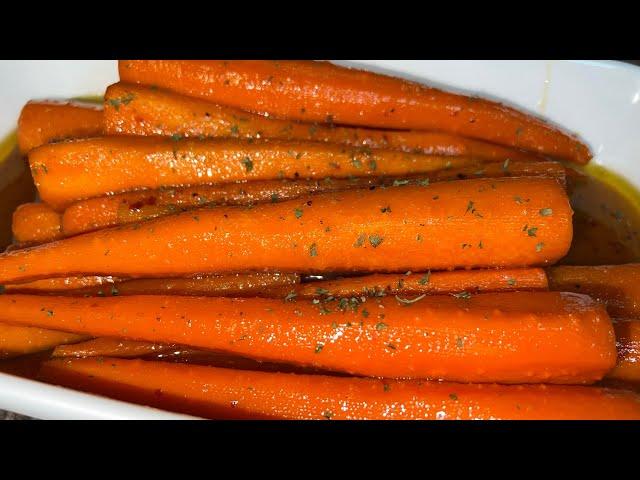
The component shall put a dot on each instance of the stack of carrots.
(298, 240)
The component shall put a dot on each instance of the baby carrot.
(470, 281)
(233, 285)
(471, 223)
(19, 340)
(617, 286)
(36, 223)
(136, 206)
(517, 337)
(139, 110)
(323, 92)
(101, 212)
(232, 394)
(45, 122)
(69, 171)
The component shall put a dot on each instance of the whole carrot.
(233, 285)
(626, 373)
(136, 206)
(69, 171)
(231, 394)
(517, 337)
(322, 92)
(18, 340)
(45, 122)
(470, 281)
(472, 223)
(101, 212)
(618, 286)
(138, 110)
(35, 223)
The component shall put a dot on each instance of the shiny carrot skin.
(617, 286)
(113, 347)
(234, 285)
(35, 223)
(517, 337)
(108, 211)
(18, 340)
(231, 394)
(627, 369)
(151, 111)
(484, 223)
(322, 92)
(430, 283)
(69, 171)
(60, 285)
(270, 285)
(44, 122)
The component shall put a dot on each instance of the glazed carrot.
(101, 212)
(138, 110)
(231, 394)
(129, 207)
(271, 285)
(627, 368)
(36, 223)
(113, 347)
(45, 122)
(322, 92)
(471, 223)
(517, 337)
(69, 171)
(470, 281)
(618, 286)
(18, 340)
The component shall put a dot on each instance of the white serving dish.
(599, 100)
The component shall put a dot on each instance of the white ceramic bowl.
(598, 100)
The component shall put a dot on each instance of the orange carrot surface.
(231, 394)
(61, 284)
(470, 281)
(36, 223)
(69, 171)
(138, 110)
(628, 345)
(323, 92)
(618, 286)
(518, 337)
(470, 223)
(233, 285)
(114, 347)
(101, 212)
(18, 340)
(45, 122)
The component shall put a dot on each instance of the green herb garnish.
(248, 164)
(375, 240)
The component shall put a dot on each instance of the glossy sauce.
(606, 219)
